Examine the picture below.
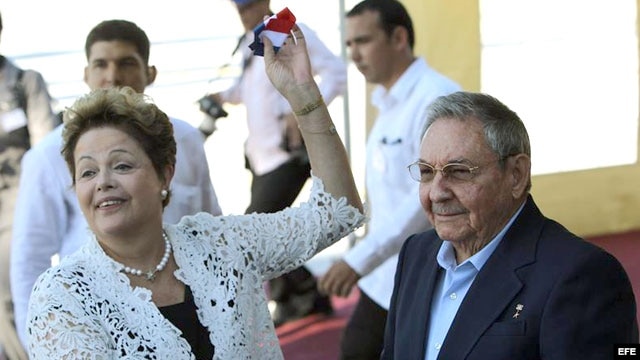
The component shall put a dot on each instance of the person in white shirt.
(274, 150)
(380, 38)
(48, 218)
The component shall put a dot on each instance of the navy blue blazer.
(576, 298)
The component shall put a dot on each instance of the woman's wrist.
(314, 118)
(325, 127)
(301, 96)
(307, 109)
(310, 109)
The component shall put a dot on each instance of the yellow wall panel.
(448, 36)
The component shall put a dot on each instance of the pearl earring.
(164, 194)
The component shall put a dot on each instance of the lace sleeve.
(285, 240)
(276, 243)
(58, 327)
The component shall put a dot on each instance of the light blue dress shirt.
(452, 287)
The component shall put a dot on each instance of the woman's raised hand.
(290, 67)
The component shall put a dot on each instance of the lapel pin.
(519, 308)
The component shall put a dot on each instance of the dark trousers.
(275, 190)
(363, 337)
(272, 192)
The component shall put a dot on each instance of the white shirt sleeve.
(330, 68)
(192, 190)
(376, 247)
(38, 231)
(195, 147)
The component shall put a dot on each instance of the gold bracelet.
(330, 129)
(309, 107)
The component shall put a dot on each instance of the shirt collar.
(447, 259)
(401, 89)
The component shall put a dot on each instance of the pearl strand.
(151, 274)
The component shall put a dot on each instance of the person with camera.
(274, 151)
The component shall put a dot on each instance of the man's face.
(465, 212)
(253, 13)
(117, 63)
(370, 48)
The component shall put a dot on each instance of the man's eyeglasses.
(425, 173)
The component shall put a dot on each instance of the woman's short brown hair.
(128, 111)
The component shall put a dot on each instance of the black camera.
(211, 107)
(213, 111)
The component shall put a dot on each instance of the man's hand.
(216, 97)
(292, 134)
(338, 280)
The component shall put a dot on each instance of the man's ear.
(520, 171)
(86, 75)
(400, 37)
(152, 72)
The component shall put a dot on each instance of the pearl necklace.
(151, 274)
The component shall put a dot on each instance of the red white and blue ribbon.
(277, 28)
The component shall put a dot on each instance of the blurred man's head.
(252, 12)
(118, 55)
(380, 39)
(391, 14)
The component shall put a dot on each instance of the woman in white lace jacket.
(147, 290)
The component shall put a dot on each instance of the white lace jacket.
(85, 308)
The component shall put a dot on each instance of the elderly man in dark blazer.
(496, 279)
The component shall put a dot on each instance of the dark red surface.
(317, 337)
(626, 248)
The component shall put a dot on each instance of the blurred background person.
(274, 151)
(26, 116)
(48, 217)
(380, 37)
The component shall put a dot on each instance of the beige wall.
(590, 202)
(448, 36)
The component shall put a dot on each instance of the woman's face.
(116, 183)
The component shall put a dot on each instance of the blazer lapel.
(419, 272)
(489, 294)
(422, 310)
